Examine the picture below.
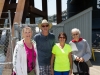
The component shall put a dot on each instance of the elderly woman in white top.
(81, 53)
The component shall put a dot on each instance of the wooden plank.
(1, 6)
(19, 11)
(18, 14)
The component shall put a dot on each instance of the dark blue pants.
(61, 73)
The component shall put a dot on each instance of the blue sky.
(51, 6)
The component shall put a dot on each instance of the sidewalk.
(95, 70)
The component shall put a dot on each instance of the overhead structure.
(26, 9)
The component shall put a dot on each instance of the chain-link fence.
(18, 28)
(6, 50)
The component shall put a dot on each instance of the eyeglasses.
(74, 34)
(45, 26)
(62, 37)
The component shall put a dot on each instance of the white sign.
(98, 4)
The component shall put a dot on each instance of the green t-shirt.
(61, 62)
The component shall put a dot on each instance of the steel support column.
(25, 11)
(32, 20)
(13, 1)
(59, 11)
(44, 8)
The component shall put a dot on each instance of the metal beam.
(12, 13)
(59, 11)
(12, 6)
(31, 2)
(32, 20)
(13, 1)
(37, 11)
(33, 15)
(44, 8)
(7, 1)
(25, 12)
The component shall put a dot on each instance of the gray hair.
(75, 30)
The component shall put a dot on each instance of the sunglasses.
(62, 37)
(45, 26)
(74, 34)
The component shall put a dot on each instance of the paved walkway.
(95, 70)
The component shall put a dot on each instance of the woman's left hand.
(81, 59)
(70, 72)
(52, 71)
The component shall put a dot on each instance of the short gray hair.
(75, 30)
